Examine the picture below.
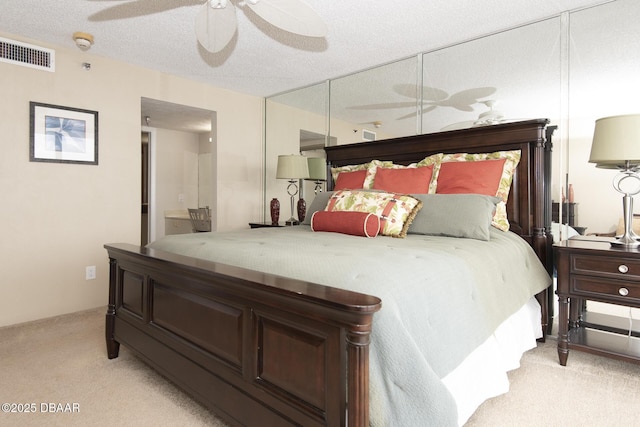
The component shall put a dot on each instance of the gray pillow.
(456, 215)
(319, 203)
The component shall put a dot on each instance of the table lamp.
(292, 167)
(317, 172)
(616, 145)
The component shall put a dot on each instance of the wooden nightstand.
(591, 269)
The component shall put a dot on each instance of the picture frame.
(63, 134)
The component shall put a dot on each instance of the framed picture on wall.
(63, 134)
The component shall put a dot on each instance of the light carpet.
(62, 361)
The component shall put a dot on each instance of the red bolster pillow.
(346, 222)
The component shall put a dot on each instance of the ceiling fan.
(216, 23)
(486, 118)
(431, 99)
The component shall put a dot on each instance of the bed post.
(358, 375)
(548, 167)
(541, 209)
(113, 346)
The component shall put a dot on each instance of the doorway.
(166, 126)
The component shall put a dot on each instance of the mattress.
(443, 298)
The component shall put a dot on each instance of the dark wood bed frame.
(263, 350)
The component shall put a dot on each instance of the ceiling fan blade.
(294, 16)
(215, 27)
(414, 114)
(433, 94)
(459, 125)
(464, 99)
(383, 106)
(137, 8)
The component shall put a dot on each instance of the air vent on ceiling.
(367, 135)
(27, 55)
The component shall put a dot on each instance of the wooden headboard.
(529, 204)
(527, 199)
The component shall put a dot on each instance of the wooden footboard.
(255, 348)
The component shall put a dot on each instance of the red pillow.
(403, 180)
(350, 180)
(477, 177)
(346, 222)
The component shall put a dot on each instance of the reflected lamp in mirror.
(317, 172)
(616, 145)
(293, 168)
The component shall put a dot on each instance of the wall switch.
(90, 272)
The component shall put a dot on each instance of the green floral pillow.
(395, 211)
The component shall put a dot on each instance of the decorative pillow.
(434, 160)
(346, 222)
(482, 173)
(350, 180)
(319, 203)
(481, 177)
(395, 211)
(369, 167)
(404, 179)
(407, 179)
(456, 215)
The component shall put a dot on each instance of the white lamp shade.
(317, 168)
(616, 140)
(292, 166)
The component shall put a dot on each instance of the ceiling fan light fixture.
(294, 16)
(491, 117)
(218, 4)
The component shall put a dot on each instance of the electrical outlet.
(90, 272)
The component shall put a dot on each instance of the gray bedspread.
(441, 298)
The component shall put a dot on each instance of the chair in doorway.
(200, 219)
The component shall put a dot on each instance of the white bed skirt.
(483, 374)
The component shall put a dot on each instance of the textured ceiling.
(261, 59)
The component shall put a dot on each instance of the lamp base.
(629, 239)
(625, 242)
(292, 221)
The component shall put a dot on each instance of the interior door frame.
(153, 214)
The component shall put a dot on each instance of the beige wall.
(57, 217)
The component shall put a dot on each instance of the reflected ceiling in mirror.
(509, 76)
(382, 100)
(311, 98)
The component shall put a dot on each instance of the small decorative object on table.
(571, 194)
(275, 211)
(302, 209)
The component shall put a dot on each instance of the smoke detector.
(83, 40)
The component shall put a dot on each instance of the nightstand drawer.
(616, 291)
(618, 268)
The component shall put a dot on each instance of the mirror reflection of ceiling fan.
(486, 118)
(216, 23)
(432, 98)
